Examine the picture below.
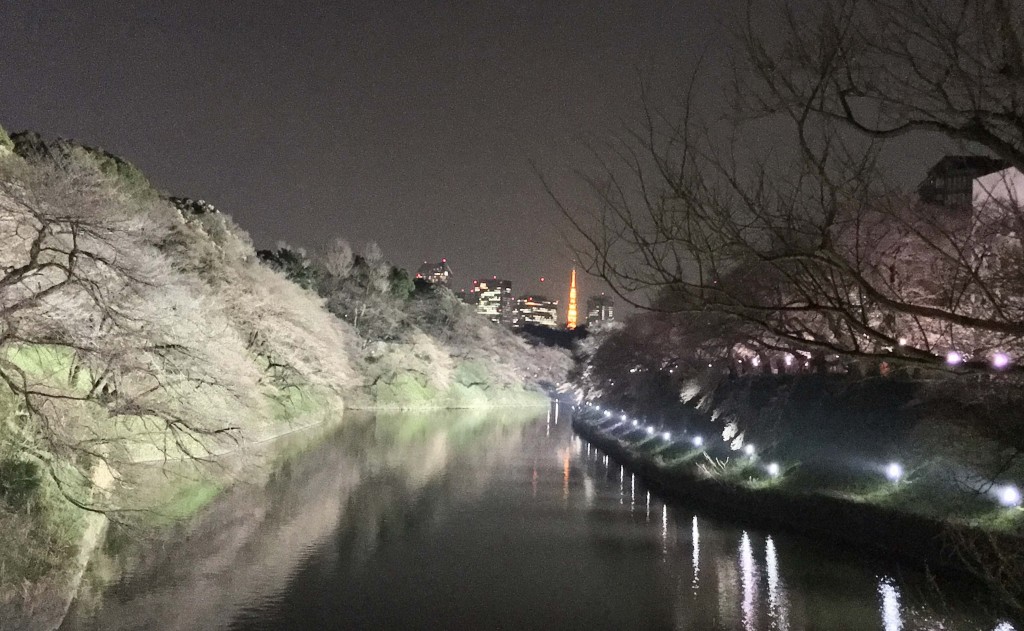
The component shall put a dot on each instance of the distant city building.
(435, 273)
(537, 310)
(1005, 187)
(950, 182)
(600, 309)
(493, 299)
(570, 314)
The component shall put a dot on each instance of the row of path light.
(1007, 495)
(772, 468)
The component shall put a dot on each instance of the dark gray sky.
(409, 123)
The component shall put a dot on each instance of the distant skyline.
(413, 124)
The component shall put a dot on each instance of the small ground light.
(666, 436)
(698, 441)
(650, 431)
(597, 407)
(1009, 495)
(953, 358)
(623, 417)
(1000, 360)
(607, 414)
(635, 422)
(773, 469)
(894, 472)
(748, 449)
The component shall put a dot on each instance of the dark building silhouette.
(435, 273)
(950, 182)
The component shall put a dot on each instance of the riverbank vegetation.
(137, 327)
(800, 302)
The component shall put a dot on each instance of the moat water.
(491, 520)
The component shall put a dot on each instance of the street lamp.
(894, 472)
(1009, 495)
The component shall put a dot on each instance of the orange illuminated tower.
(570, 316)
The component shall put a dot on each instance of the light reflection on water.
(517, 527)
(778, 609)
(748, 571)
(753, 596)
(695, 544)
(892, 619)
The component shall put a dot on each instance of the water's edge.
(885, 532)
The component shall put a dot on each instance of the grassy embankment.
(821, 450)
(468, 389)
(46, 536)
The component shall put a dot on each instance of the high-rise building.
(494, 299)
(570, 314)
(537, 310)
(600, 309)
(435, 273)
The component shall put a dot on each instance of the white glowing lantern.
(635, 422)
(623, 417)
(1000, 361)
(748, 449)
(1009, 495)
(894, 472)
(667, 436)
(607, 414)
(773, 469)
(597, 407)
(902, 341)
(650, 431)
(755, 361)
(953, 358)
(698, 441)
(788, 359)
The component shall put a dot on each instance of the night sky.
(409, 123)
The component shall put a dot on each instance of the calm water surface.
(491, 521)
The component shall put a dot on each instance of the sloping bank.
(153, 331)
(676, 468)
